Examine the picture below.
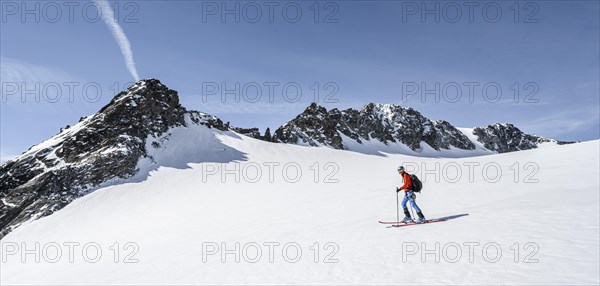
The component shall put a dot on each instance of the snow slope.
(192, 203)
(376, 147)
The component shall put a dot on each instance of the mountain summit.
(391, 124)
(386, 123)
(101, 147)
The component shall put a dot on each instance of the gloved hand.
(397, 190)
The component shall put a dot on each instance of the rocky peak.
(149, 89)
(382, 122)
(505, 137)
(314, 108)
(390, 123)
(101, 147)
(315, 126)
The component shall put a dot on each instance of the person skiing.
(409, 196)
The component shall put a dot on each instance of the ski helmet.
(400, 168)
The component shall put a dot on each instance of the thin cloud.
(575, 119)
(30, 81)
(119, 35)
(16, 71)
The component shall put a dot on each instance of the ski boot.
(421, 218)
(407, 217)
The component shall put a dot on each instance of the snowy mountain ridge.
(395, 125)
(101, 147)
(118, 142)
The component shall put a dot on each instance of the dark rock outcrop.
(504, 138)
(101, 147)
(382, 122)
(250, 132)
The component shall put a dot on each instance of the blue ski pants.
(408, 198)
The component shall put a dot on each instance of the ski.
(410, 222)
(391, 222)
(417, 223)
(440, 219)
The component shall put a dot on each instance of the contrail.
(117, 32)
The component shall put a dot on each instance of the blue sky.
(372, 52)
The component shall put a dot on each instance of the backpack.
(417, 185)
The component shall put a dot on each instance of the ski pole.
(397, 209)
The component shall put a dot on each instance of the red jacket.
(407, 182)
